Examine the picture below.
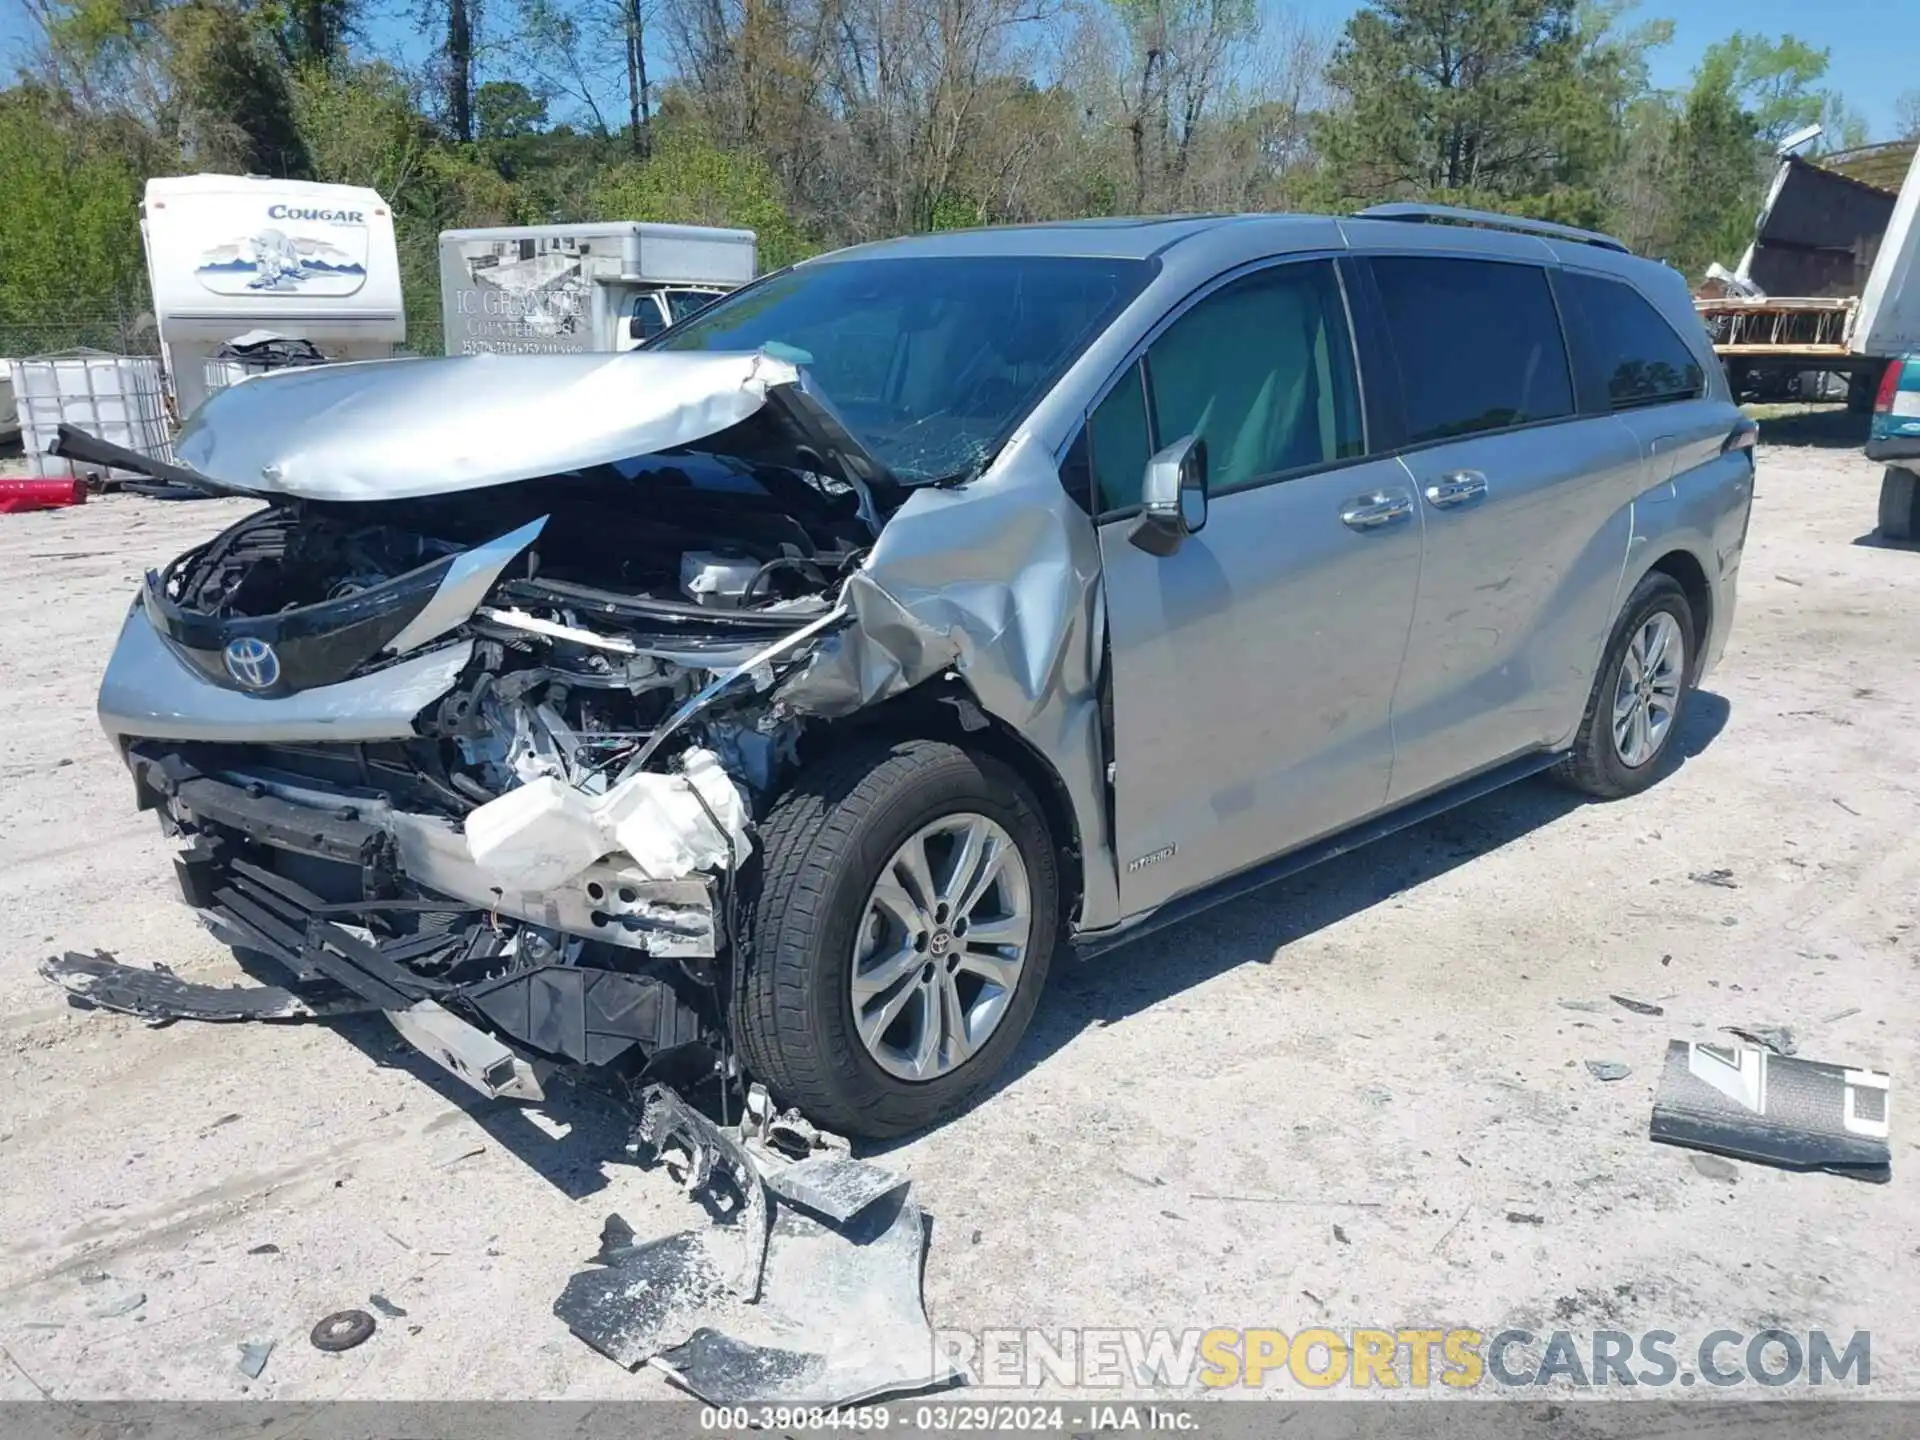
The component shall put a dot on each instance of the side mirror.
(634, 330)
(1173, 498)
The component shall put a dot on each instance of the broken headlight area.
(546, 854)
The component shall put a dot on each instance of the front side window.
(1637, 355)
(1477, 342)
(683, 303)
(930, 359)
(1263, 372)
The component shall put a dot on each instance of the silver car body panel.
(398, 429)
(150, 693)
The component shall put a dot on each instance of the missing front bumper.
(385, 906)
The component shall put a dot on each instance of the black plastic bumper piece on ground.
(99, 979)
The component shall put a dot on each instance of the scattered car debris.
(100, 980)
(460, 1150)
(1846, 1014)
(813, 1299)
(782, 1136)
(386, 1307)
(1714, 1168)
(342, 1330)
(1638, 1007)
(1585, 1007)
(833, 1186)
(1608, 1070)
(113, 1309)
(1525, 1217)
(253, 1357)
(1777, 1038)
(94, 1277)
(1722, 877)
(268, 1249)
(1749, 1103)
(1341, 1235)
(679, 1136)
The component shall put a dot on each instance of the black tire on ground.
(1899, 504)
(1594, 765)
(823, 846)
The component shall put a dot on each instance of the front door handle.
(1457, 488)
(1370, 512)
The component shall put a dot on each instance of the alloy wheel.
(941, 943)
(1646, 697)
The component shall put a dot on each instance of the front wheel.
(899, 935)
(1627, 736)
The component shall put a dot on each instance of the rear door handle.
(1459, 487)
(1370, 512)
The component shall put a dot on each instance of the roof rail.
(1453, 214)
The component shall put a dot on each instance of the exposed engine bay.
(552, 848)
(487, 719)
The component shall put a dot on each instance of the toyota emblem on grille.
(252, 663)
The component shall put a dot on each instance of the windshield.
(931, 360)
(682, 303)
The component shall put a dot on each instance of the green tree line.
(819, 123)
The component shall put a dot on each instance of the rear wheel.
(1626, 738)
(1899, 504)
(899, 935)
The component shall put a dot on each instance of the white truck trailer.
(561, 289)
(1828, 286)
(234, 255)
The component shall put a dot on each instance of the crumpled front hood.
(395, 429)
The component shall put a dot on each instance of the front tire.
(898, 936)
(1629, 733)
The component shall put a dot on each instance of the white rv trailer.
(232, 254)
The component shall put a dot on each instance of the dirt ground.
(1373, 1058)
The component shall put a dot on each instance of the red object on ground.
(20, 495)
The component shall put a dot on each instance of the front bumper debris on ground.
(805, 1290)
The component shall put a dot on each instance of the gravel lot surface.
(1371, 1063)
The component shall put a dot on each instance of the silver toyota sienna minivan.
(778, 701)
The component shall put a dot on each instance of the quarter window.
(1477, 342)
(1636, 353)
(1119, 442)
(1263, 372)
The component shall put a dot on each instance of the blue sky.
(1875, 44)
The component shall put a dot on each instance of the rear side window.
(1635, 353)
(1477, 342)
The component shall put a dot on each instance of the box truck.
(232, 256)
(561, 289)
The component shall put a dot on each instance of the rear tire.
(825, 845)
(1899, 504)
(1602, 763)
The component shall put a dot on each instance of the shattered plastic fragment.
(669, 1126)
(840, 1317)
(99, 979)
(833, 1186)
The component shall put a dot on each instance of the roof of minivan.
(1124, 238)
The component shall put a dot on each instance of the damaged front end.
(483, 750)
